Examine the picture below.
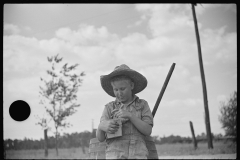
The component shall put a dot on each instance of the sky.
(146, 37)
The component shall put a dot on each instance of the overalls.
(131, 145)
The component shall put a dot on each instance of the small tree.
(228, 117)
(59, 94)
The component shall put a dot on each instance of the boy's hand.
(123, 114)
(109, 126)
(113, 112)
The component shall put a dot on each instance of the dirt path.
(214, 156)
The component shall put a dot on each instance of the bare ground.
(214, 156)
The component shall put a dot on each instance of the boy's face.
(123, 90)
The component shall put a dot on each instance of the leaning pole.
(207, 120)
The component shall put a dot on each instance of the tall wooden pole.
(193, 136)
(207, 120)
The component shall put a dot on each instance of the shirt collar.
(117, 102)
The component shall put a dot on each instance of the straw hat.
(140, 82)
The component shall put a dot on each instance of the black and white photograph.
(120, 81)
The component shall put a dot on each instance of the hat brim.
(140, 82)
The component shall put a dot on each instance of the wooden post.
(207, 119)
(56, 142)
(163, 89)
(193, 136)
(45, 143)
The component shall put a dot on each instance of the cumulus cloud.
(86, 35)
(217, 45)
(188, 102)
(174, 23)
(139, 22)
(164, 20)
(95, 48)
(22, 54)
(11, 29)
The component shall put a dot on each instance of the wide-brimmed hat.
(140, 82)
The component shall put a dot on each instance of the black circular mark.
(19, 110)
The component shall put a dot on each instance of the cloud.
(22, 55)
(188, 102)
(218, 46)
(164, 20)
(30, 54)
(11, 29)
(137, 23)
(174, 23)
(98, 51)
(86, 35)
(92, 46)
(27, 28)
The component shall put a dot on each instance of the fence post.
(45, 143)
(193, 135)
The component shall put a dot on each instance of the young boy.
(134, 113)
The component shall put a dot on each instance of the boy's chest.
(130, 108)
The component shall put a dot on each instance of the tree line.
(82, 139)
(65, 141)
(178, 139)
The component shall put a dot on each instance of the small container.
(119, 131)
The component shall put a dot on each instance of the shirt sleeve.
(106, 114)
(146, 113)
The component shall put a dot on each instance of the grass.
(64, 153)
(188, 149)
(163, 150)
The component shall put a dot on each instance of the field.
(165, 151)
